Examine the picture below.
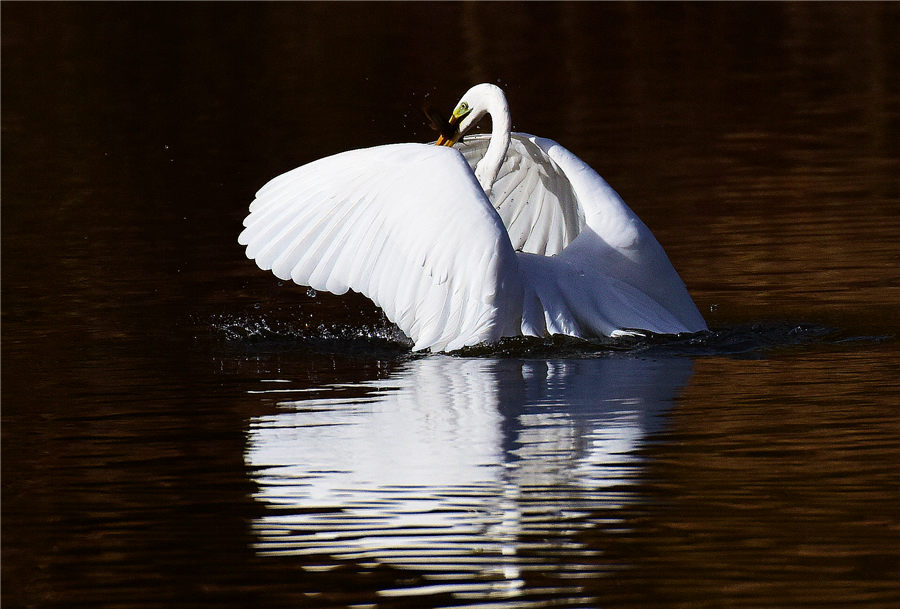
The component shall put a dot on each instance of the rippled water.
(181, 429)
(461, 487)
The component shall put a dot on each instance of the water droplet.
(311, 292)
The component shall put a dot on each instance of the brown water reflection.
(758, 141)
(735, 507)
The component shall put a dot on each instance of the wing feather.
(532, 195)
(408, 226)
(616, 256)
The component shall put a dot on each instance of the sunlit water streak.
(472, 471)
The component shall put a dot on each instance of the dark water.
(179, 429)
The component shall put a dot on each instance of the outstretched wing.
(641, 289)
(532, 195)
(407, 225)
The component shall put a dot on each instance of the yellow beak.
(449, 141)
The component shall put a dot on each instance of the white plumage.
(550, 249)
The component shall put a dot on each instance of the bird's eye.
(461, 110)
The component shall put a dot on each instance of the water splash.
(259, 330)
(742, 340)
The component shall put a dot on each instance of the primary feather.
(407, 225)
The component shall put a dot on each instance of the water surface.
(182, 429)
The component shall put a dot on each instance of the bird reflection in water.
(456, 465)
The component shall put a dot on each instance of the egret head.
(461, 111)
(473, 105)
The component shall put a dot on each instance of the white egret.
(468, 242)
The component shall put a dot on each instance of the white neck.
(489, 99)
